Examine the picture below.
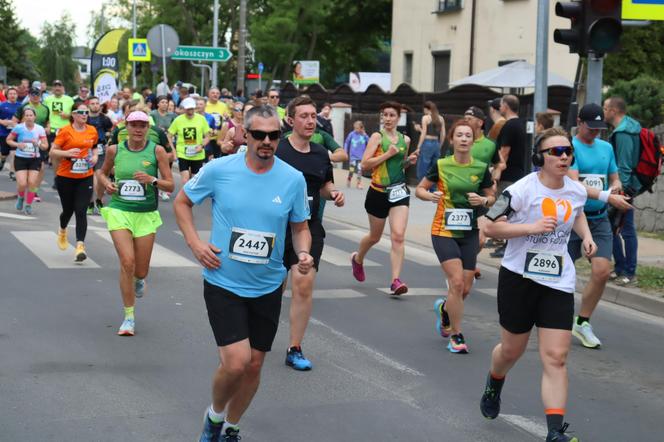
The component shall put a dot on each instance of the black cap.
(593, 115)
(495, 103)
(35, 91)
(57, 83)
(476, 112)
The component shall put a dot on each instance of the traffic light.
(573, 37)
(595, 26)
(603, 26)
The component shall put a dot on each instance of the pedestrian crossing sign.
(643, 10)
(139, 50)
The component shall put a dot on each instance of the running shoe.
(91, 208)
(127, 329)
(398, 288)
(28, 209)
(37, 199)
(232, 434)
(12, 176)
(164, 196)
(478, 274)
(139, 287)
(358, 269)
(19, 203)
(490, 402)
(79, 253)
(627, 281)
(442, 318)
(560, 436)
(211, 431)
(457, 344)
(295, 358)
(585, 334)
(613, 276)
(62, 239)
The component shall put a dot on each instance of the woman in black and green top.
(388, 195)
(132, 215)
(459, 180)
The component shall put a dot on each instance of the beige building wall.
(504, 30)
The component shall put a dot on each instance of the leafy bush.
(644, 96)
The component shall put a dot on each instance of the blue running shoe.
(295, 359)
(457, 344)
(211, 431)
(139, 287)
(19, 203)
(442, 319)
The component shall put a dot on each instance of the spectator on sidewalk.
(497, 120)
(543, 121)
(355, 144)
(626, 143)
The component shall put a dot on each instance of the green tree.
(644, 96)
(16, 46)
(642, 52)
(55, 60)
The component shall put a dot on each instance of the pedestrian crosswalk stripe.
(43, 244)
(341, 258)
(412, 254)
(417, 291)
(332, 294)
(161, 256)
(15, 216)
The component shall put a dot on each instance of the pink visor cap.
(138, 116)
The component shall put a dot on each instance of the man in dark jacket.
(626, 144)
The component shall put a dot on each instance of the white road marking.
(161, 256)
(43, 245)
(412, 253)
(341, 258)
(332, 294)
(15, 216)
(418, 291)
(526, 424)
(378, 356)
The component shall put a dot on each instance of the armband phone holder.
(501, 207)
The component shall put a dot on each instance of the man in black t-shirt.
(314, 162)
(511, 145)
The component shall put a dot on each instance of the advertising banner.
(306, 72)
(105, 65)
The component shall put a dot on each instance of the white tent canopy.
(519, 74)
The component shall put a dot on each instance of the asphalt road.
(380, 372)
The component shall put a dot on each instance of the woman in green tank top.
(388, 196)
(132, 215)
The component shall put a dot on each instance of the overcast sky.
(32, 14)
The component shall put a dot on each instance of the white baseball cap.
(188, 103)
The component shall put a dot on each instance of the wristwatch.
(154, 182)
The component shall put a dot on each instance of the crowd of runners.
(268, 171)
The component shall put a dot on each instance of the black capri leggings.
(75, 194)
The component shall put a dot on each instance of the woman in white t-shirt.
(537, 277)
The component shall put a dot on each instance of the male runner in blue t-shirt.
(255, 197)
(595, 167)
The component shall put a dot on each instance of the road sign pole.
(594, 81)
(215, 40)
(241, 45)
(133, 64)
(163, 59)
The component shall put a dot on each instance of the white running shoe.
(584, 333)
(127, 327)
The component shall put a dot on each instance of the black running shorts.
(523, 303)
(27, 163)
(376, 203)
(190, 165)
(234, 318)
(317, 243)
(465, 249)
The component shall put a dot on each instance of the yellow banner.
(643, 10)
(105, 64)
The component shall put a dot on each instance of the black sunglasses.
(558, 151)
(81, 112)
(274, 96)
(260, 135)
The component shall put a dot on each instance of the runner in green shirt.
(60, 106)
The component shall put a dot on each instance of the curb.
(623, 296)
(4, 196)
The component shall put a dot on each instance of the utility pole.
(241, 46)
(215, 39)
(133, 64)
(101, 22)
(541, 58)
(594, 78)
